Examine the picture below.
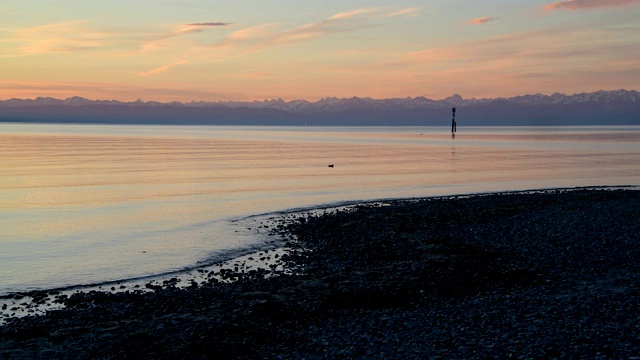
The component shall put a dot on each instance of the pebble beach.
(527, 275)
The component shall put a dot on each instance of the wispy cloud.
(109, 90)
(195, 27)
(153, 42)
(539, 51)
(564, 55)
(58, 37)
(408, 11)
(81, 36)
(353, 13)
(210, 24)
(161, 69)
(269, 35)
(585, 4)
(251, 33)
(483, 20)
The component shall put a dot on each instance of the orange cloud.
(154, 42)
(161, 69)
(353, 13)
(74, 36)
(58, 37)
(210, 24)
(483, 20)
(251, 33)
(107, 91)
(585, 4)
(407, 11)
(268, 35)
(528, 50)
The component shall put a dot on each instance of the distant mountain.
(618, 107)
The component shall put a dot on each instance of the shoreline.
(230, 257)
(448, 253)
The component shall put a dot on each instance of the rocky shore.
(551, 274)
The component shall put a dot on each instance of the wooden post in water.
(453, 122)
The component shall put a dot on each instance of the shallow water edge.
(265, 257)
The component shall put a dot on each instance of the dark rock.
(551, 274)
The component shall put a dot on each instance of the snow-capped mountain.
(598, 97)
(333, 104)
(601, 107)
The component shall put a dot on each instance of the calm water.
(84, 204)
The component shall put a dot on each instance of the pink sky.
(197, 50)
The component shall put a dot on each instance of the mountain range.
(618, 107)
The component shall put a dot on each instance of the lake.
(86, 204)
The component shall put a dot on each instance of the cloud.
(510, 59)
(186, 29)
(269, 35)
(107, 91)
(353, 13)
(161, 69)
(195, 27)
(251, 33)
(73, 36)
(154, 40)
(407, 11)
(483, 20)
(377, 12)
(58, 37)
(210, 24)
(585, 4)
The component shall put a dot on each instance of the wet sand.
(518, 275)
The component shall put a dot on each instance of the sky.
(240, 50)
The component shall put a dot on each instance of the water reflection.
(117, 201)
